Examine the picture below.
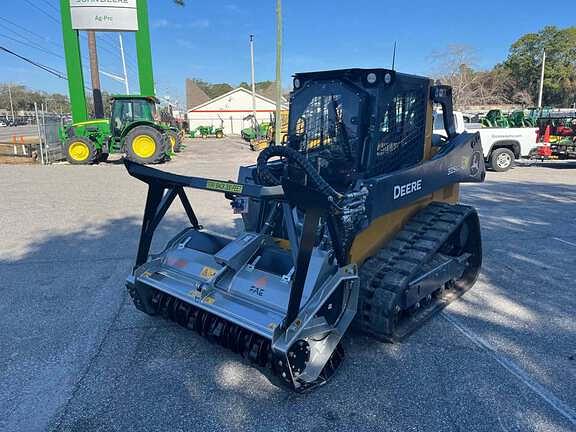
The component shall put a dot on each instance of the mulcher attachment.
(285, 309)
(434, 260)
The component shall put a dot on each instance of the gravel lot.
(75, 355)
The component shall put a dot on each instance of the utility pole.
(11, 103)
(278, 125)
(252, 75)
(95, 74)
(126, 84)
(542, 80)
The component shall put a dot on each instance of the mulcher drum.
(249, 345)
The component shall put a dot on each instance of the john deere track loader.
(355, 222)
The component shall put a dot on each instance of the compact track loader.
(354, 222)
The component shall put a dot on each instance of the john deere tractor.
(134, 128)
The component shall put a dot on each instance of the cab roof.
(338, 73)
(153, 99)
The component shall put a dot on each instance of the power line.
(18, 34)
(45, 68)
(111, 40)
(37, 35)
(102, 46)
(31, 45)
(42, 11)
(54, 8)
(56, 20)
(35, 43)
(38, 65)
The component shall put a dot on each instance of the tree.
(525, 59)
(456, 67)
(213, 90)
(261, 85)
(23, 99)
(106, 101)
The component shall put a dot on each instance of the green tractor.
(207, 131)
(495, 119)
(134, 129)
(521, 119)
(258, 130)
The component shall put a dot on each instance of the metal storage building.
(230, 109)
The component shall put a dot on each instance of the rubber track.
(385, 276)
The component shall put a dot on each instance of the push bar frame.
(164, 187)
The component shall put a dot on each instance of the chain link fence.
(51, 147)
(34, 139)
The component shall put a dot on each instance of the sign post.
(144, 51)
(73, 65)
(103, 15)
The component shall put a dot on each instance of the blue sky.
(209, 39)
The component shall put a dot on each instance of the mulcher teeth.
(249, 345)
(244, 342)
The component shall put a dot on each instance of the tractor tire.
(81, 151)
(146, 145)
(103, 157)
(175, 140)
(219, 134)
(502, 160)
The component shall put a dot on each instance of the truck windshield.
(439, 121)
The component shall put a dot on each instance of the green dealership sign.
(103, 15)
(110, 15)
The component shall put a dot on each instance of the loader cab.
(358, 123)
(127, 110)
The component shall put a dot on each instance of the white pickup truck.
(501, 145)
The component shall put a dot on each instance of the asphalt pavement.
(75, 355)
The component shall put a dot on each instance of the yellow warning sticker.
(209, 300)
(207, 272)
(224, 186)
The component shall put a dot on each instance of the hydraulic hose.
(270, 179)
